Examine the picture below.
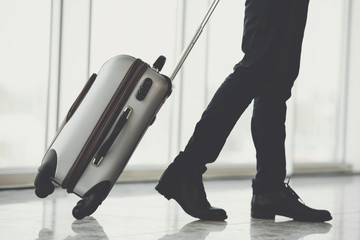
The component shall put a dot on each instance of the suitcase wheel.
(85, 207)
(91, 200)
(43, 181)
(43, 186)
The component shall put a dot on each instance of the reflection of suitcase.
(104, 126)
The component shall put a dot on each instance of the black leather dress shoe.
(285, 202)
(186, 187)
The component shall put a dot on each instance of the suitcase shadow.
(197, 230)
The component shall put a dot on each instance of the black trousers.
(272, 40)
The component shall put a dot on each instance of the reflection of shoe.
(45, 233)
(88, 228)
(186, 187)
(285, 202)
(289, 230)
(197, 230)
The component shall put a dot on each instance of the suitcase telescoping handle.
(104, 148)
(198, 32)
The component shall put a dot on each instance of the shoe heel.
(163, 192)
(262, 215)
(167, 196)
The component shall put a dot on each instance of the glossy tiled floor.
(136, 211)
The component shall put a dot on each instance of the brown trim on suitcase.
(81, 96)
(105, 123)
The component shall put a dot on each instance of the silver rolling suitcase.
(104, 126)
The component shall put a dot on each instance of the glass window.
(159, 27)
(24, 47)
(318, 88)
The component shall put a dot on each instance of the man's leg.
(182, 180)
(271, 195)
(264, 36)
(268, 132)
(269, 114)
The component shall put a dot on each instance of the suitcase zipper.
(105, 123)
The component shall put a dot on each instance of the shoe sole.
(271, 215)
(163, 192)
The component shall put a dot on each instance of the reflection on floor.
(136, 211)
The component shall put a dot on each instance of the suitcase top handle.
(198, 32)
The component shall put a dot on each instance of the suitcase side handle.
(104, 148)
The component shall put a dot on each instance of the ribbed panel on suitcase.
(104, 124)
